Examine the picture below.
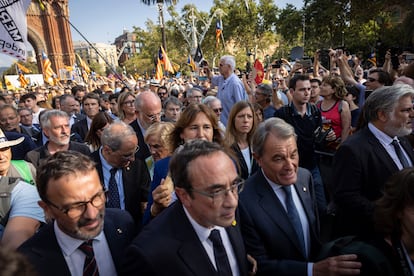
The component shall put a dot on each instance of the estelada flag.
(190, 62)
(48, 73)
(219, 29)
(258, 66)
(163, 58)
(158, 70)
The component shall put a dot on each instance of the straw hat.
(4, 143)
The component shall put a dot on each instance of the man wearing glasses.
(199, 233)
(82, 236)
(126, 178)
(148, 109)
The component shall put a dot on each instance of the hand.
(253, 263)
(331, 136)
(338, 265)
(161, 196)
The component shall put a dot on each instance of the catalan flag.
(190, 61)
(82, 64)
(23, 81)
(163, 58)
(158, 71)
(23, 68)
(219, 30)
(48, 73)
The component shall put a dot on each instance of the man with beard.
(84, 237)
(365, 161)
(55, 125)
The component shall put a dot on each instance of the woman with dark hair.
(394, 221)
(334, 110)
(258, 110)
(99, 123)
(197, 121)
(241, 125)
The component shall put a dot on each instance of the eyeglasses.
(218, 110)
(371, 79)
(130, 155)
(77, 209)
(219, 195)
(162, 94)
(153, 117)
(131, 103)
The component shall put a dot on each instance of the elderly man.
(215, 104)
(71, 106)
(194, 95)
(230, 87)
(55, 125)
(263, 96)
(279, 217)
(84, 237)
(199, 234)
(148, 110)
(365, 162)
(126, 178)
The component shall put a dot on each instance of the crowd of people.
(214, 175)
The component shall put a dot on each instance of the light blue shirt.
(118, 177)
(75, 258)
(230, 91)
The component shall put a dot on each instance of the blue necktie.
(222, 261)
(294, 218)
(90, 268)
(400, 154)
(113, 193)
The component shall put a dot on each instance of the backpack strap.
(7, 184)
(24, 170)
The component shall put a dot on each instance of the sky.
(104, 20)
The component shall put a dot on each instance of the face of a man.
(9, 121)
(68, 191)
(5, 157)
(122, 157)
(59, 131)
(399, 121)
(224, 69)
(315, 90)
(172, 112)
(260, 97)
(79, 95)
(302, 92)
(196, 97)
(150, 113)
(209, 174)
(26, 117)
(114, 106)
(91, 107)
(279, 160)
(70, 106)
(163, 94)
(372, 82)
(30, 103)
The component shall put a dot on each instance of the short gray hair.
(230, 60)
(47, 115)
(385, 99)
(275, 126)
(209, 100)
(115, 134)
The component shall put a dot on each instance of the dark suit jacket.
(78, 117)
(170, 246)
(43, 251)
(244, 171)
(80, 128)
(136, 181)
(361, 166)
(143, 152)
(19, 151)
(267, 230)
(38, 155)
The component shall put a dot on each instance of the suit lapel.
(380, 151)
(238, 248)
(272, 206)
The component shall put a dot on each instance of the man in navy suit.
(279, 218)
(72, 196)
(91, 108)
(179, 241)
(148, 110)
(365, 161)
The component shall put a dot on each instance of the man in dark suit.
(132, 180)
(279, 218)
(148, 110)
(71, 106)
(180, 240)
(366, 160)
(91, 108)
(72, 195)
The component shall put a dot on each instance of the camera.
(277, 64)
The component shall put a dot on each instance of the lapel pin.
(119, 230)
(304, 189)
(234, 223)
(127, 168)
